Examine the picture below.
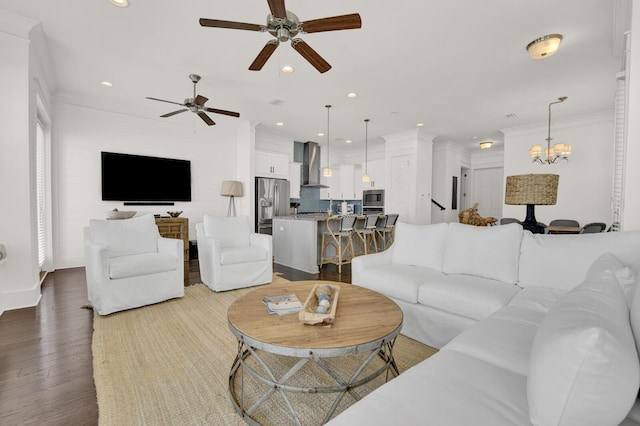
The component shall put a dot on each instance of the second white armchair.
(230, 256)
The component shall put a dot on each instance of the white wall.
(80, 134)
(448, 158)
(584, 189)
(631, 212)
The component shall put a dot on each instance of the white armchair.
(231, 256)
(128, 264)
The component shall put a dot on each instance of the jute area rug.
(168, 364)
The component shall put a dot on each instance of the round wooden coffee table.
(366, 323)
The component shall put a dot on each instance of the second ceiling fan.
(284, 26)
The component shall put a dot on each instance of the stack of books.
(283, 304)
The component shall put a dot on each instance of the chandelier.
(553, 153)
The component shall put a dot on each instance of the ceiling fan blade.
(169, 114)
(216, 23)
(222, 111)
(162, 100)
(310, 55)
(264, 55)
(206, 118)
(277, 8)
(334, 23)
(200, 100)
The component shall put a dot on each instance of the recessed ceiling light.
(320, 134)
(347, 141)
(106, 83)
(287, 69)
(352, 95)
(419, 124)
(279, 123)
(119, 3)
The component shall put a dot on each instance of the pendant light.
(328, 172)
(365, 176)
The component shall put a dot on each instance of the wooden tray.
(308, 313)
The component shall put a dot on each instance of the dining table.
(564, 229)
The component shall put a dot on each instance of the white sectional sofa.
(533, 329)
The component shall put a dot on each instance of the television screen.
(132, 178)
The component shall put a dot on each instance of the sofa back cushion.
(485, 251)
(584, 368)
(419, 245)
(229, 231)
(126, 236)
(562, 261)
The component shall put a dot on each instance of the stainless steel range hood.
(311, 166)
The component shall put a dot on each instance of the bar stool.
(338, 228)
(381, 223)
(367, 234)
(390, 229)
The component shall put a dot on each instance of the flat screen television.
(138, 178)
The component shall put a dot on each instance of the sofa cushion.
(625, 275)
(584, 366)
(490, 252)
(127, 236)
(229, 231)
(562, 261)
(398, 281)
(141, 264)
(471, 297)
(419, 245)
(634, 315)
(233, 255)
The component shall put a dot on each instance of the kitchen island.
(295, 240)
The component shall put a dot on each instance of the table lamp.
(541, 189)
(231, 188)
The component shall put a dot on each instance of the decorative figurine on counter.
(324, 299)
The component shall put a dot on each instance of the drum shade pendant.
(327, 171)
(365, 176)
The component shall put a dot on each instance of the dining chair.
(506, 220)
(593, 228)
(564, 222)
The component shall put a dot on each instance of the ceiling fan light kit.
(196, 105)
(285, 26)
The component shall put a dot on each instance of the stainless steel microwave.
(373, 198)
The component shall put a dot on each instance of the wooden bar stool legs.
(338, 235)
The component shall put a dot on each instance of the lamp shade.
(539, 189)
(231, 188)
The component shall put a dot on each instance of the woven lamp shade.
(539, 189)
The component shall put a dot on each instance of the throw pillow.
(626, 276)
(126, 236)
(584, 366)
(489, 252)
(229, 231)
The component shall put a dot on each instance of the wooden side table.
(178, 228)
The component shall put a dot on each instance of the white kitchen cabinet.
(377, 170)
(357, 182)
(295, 244)
(295, 179)
(333, 183)
(271, 164)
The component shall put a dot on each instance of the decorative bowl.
(116, 214)
(174, 214)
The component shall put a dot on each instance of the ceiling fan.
(196, 105)
(284, 26)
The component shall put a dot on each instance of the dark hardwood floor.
(46, 371)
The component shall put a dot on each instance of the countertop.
(305, 216)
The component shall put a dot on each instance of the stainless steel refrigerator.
(272, 199)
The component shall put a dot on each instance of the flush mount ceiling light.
(544, 46)
(486, 145)
(119, 3)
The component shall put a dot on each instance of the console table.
(178, 228)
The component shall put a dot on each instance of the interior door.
(487, 191)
